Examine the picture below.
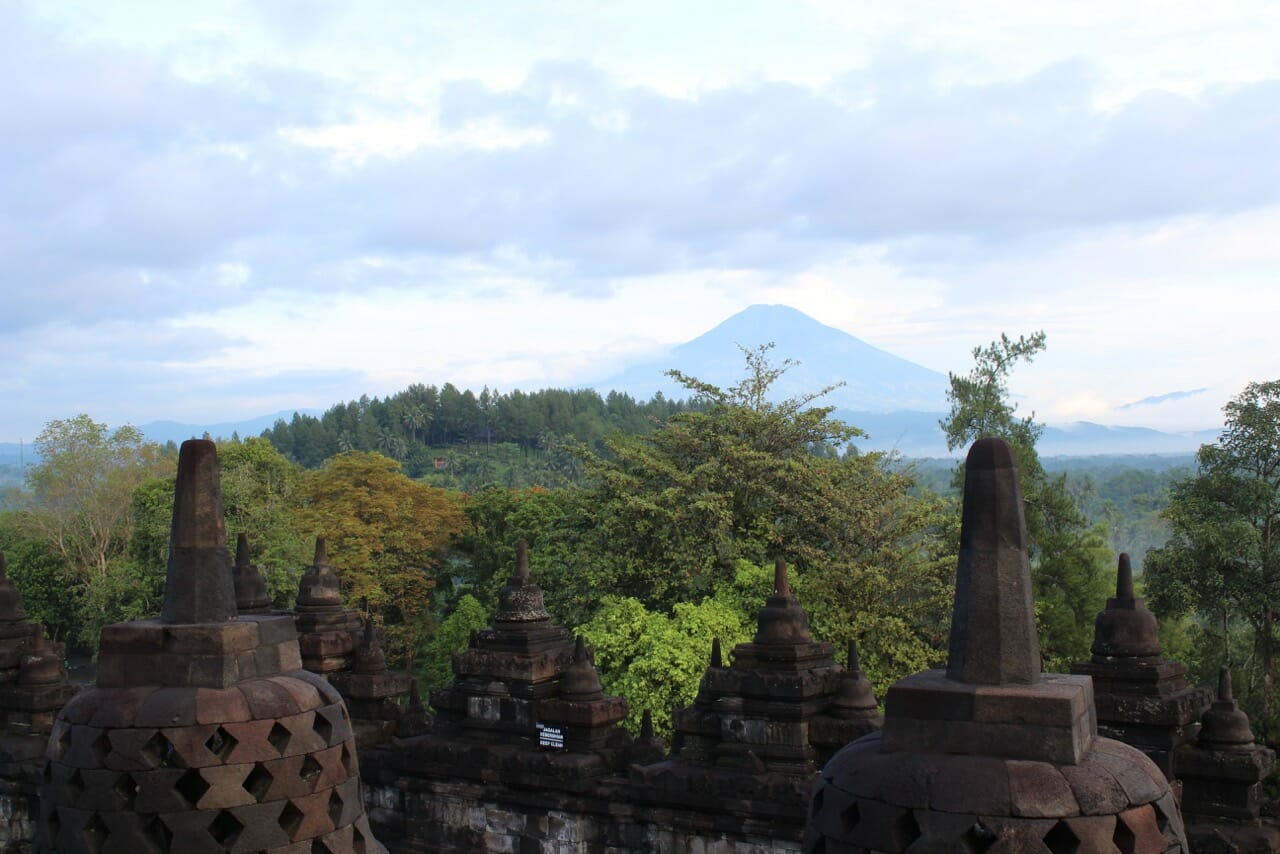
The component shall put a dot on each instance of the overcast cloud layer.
(216, 214)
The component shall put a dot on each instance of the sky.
(211, 211)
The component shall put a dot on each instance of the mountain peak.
(873, 380)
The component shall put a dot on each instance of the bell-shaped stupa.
(991, 754)
(203, 732)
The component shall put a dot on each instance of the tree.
(81, 489)
(386, 535)
(1070, 560)
(436, 669)
(1222, 560)
(671, 517)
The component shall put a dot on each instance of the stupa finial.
(198, 586)
(993, 630)
(717, 658)
(1124, 578)
(780, 585)
(522, 561)
(1224, 683)
(853, 655)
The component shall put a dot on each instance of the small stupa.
(372, 690)
(509, 668)
(991, 754)
(203, 732)
(1222, 774)
(328, 633)
(761, 711)
(250, 586)
(33, 682)
(1141, 697)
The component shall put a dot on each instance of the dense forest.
(652, 525)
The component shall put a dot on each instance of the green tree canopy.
(386, 536)
(1222, 560)
(1071, 563)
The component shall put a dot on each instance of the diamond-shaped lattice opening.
(64, 742)
(75, 785)
(225, 829)
(191, 786)
(126, 789)
(1162, 820)
(348, 760)
(258, 783)
(905, 830)
(818, 847)
(47, 774)
(221, 743)
(279, 737)
(290, 819)
(318, 847)
(815, 806)
(160, 833)
(101, 746)
(94, 832)
(1061, 839)
(850, 817)
(310, 771)
(322, 727)
(158, 750)
(358, 845)
(977, 838)
(1124, 837)
(335, 807)
(53, 825)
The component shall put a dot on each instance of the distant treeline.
(412, 426)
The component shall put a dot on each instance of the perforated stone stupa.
(203, 733)
(991, 754)
(33, 682)
(1141, 698)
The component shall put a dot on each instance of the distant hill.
(875, 381)
(172, 431)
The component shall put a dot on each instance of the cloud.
(1163, 398)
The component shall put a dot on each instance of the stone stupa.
(203, 733)
(991, 754)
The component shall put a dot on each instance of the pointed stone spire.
(415, 720)
(993, 631)
(250, 586)
(580, 681)
(1225, 726)
(854, 697)
(1125, 629)
(198, 586)
(646, 726)
(369, 656)
(717, 659)
(319, 587)
(520, 602)
(782, 620)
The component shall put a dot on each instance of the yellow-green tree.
(386, 535)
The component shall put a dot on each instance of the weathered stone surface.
(198, 587)
(991, 755)
(993, 632)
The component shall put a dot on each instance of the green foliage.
(386, 536)
(435, 669)
(1071, 564)
(40, 574)
(259, 498)
(82, 486)
(655, 659)
(1222, 561)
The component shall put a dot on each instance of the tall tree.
(82, 487)
(1222, 560)
(1070, 560)
(386, 535)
